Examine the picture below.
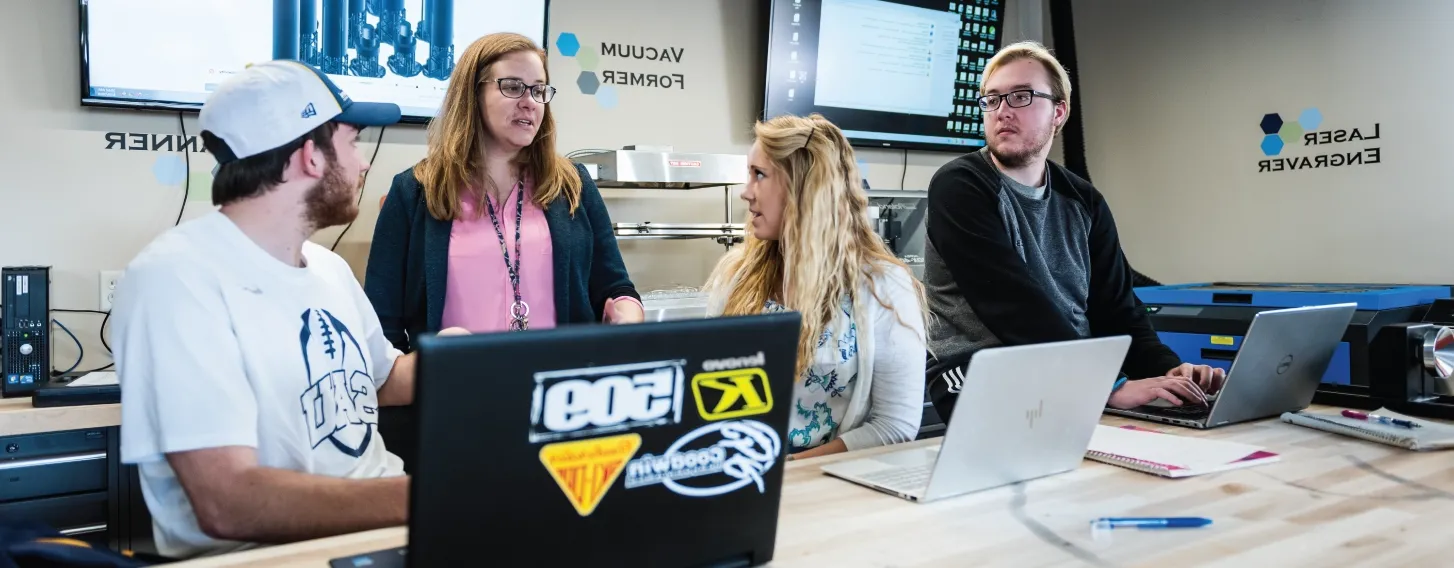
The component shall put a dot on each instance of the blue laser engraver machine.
(1204, 322)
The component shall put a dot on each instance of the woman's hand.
(624, 310)
(834, 447)
(454, 331)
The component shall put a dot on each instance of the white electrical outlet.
(107, 291)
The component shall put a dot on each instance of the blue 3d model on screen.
(344, 37)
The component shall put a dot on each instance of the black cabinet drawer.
(54, 475)
(52, 443)
(73, 513)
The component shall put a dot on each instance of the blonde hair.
(827, 248)
(1059, 78)
(457, 136)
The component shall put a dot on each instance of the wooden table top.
(17, 417)
(1330, 501)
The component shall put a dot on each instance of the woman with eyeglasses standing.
(493, 231)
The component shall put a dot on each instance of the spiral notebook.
(1429, 436)
(1168, 455)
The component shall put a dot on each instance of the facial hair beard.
(331, 202)
(1020, 159)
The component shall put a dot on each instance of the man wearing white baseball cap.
(251, 362)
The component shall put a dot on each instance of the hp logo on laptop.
(1034, 414)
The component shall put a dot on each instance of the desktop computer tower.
(26, 330)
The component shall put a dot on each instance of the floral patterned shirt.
(821, 395)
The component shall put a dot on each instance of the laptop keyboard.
(907, 479)
(1187, 411)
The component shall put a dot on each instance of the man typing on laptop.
(1021, 251)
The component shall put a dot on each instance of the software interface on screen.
(400, 51)
(888, 72)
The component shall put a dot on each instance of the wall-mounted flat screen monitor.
(890, 73)
(169, 54)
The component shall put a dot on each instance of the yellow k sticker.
(732, 394)
(586, 469)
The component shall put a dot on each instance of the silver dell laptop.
(1024, 412)
(1277, 369)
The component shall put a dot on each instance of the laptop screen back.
(645, 444)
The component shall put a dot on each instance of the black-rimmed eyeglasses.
(515, 88)
(1017, 99)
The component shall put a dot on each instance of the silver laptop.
(1023, 412)
(1277, 369)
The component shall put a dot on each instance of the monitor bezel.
(87, 100)
(857, 142)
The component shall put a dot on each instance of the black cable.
(361, 186)
(102, 332)
(905, 175)
(80, 348)
(187, 184)
(1062, 25)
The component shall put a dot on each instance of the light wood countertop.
(1330, 501)
(17, 417)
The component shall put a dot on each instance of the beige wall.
(70, 203)
(1173, 94)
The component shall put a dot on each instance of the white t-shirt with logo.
(218, 343)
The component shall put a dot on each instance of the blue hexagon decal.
(606, 97)
(1271, 123)
(568, 44)
(1310, 119)
(170, 169)
(1271, 145)
(588, 82)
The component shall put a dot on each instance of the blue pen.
(1152, 522)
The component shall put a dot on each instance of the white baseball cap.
(270, 104)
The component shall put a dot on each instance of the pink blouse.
(477, 293)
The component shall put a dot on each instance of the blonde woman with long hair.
(810, 249)
(493, 231)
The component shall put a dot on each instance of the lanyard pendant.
(519, 316)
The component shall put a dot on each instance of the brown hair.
(254, 175)
(457, 135)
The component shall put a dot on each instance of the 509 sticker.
(585, 402)
(732, 394)
(715, 459)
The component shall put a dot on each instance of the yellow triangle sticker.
(586, 469)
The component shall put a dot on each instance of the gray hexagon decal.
(588, 82)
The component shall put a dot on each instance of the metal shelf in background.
(726, 234)
(633, 169)
(662, 168)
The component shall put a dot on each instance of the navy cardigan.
(409, 261)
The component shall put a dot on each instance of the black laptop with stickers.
(657, 444)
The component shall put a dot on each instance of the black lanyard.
(519, 311)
